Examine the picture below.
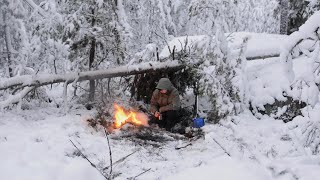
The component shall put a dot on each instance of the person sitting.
(165, 104)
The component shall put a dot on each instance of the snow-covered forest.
(77, 78)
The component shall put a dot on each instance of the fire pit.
(138, 131)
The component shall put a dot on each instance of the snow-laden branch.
(35, 7)
(309, 30)
(15, 98)
(45, 79)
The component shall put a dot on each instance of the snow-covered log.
(263, 57)
(45, 79)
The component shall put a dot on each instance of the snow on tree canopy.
(259, 44)
(297, 49)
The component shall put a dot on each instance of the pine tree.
(223, 77)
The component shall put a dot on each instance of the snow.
(311, 25)
(259, 44)
(15, 98)
(41, 149)
(36, 144)
(123, 18)
(264, 86)
(179, 44)
(220, 168)
(36, 7)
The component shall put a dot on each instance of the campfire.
(122, 116)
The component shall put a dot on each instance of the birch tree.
(284, 15)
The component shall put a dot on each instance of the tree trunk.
(91, 60)
(46, 79)
(284, 16)
(29, 82)
(8, 44)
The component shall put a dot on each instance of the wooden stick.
(221, 147)
(189, 144)
(110, 152)
(140, 174)
(120, 160)
(46, 79)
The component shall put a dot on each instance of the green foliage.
(143, 85)
(223, 78)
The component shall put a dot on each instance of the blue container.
(198, 122)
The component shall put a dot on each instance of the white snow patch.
(259, 44)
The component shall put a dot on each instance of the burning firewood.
(123, 116)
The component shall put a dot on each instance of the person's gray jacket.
(165, 102)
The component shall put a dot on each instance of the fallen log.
(26, 83)
(46, 79)
(262, 57)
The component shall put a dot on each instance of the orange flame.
(122, 117)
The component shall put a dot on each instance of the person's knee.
(152, 119)
(171, 113)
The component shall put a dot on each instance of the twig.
(110, 152)
(65, 96)
(109, 80)
(221, 147)
(189, 144)
(93, 165)
(132, 178)
(102, 94)
(164, 41)
(193, 139)
(120, 160)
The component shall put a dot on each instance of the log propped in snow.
(45, 79)
(34, 81)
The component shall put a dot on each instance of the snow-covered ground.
(35, 143)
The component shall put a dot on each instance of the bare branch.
(110, 152)
(15, 98)
(35, 7)
(120, 160)
(189, 144)
(164, 41)
(139, 174)
(221, 146)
